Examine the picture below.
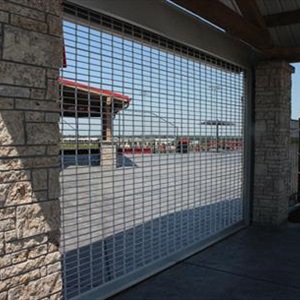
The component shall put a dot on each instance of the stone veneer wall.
(30, 57)
(272, 142)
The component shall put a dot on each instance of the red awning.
(81, 101)
(93, 90)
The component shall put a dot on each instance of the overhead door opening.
(152, 151)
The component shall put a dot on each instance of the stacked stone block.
(30, 57)
(272, 142)
(108, 154)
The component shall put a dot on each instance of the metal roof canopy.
(272, 27)
(81, 101)
(167, 20)
(253, 29)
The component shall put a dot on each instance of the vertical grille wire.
(152, 148)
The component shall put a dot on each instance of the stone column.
(108, 154)
(30, 57)
(272, 142)
(107, 119)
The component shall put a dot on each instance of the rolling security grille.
(152, 150)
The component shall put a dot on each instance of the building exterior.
(90, 231)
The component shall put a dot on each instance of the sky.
(160, 84)
(296, 92)
(171, 94)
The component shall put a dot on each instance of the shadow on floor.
(93, 159)
(254, 264)
(105, 260)
(124, 161)
(294, 216)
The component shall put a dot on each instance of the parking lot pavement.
(98, 202)
(118, 220)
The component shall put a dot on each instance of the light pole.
(145, 93)
(161, 118)
(217, 123)
(166, 121)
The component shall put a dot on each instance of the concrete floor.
(253, 264)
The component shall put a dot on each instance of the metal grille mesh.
(152, 149)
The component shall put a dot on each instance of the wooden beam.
(251, 12)
(282, 19)
(222, 16)
(290, 54)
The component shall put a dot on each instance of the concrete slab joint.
(272, 142)
(30, 58)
